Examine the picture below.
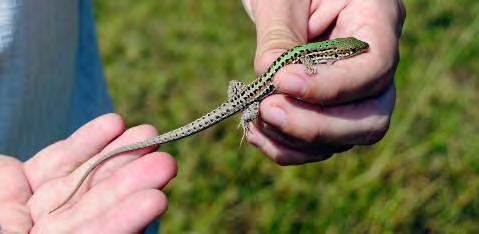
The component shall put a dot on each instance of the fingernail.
(274, 115)
(292, 84)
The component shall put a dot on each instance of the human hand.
(121, 196)
(344, 104)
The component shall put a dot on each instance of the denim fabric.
(51, 80)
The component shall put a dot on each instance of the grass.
(169, 61)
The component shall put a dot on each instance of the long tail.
(205, 121)
(93, 167)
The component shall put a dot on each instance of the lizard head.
(350, 46)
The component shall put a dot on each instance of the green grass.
(169, 61)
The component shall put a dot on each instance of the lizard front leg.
(310, 62)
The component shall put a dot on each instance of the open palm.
(122, 196)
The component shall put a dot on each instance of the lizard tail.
(90, 169)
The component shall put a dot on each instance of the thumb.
(280, 25)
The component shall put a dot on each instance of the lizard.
(244, 98)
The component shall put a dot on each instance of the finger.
(280, 25)
(280, 153)
(130, 136)
(154, 170)
(139, 209)
(14, 192)
(64, 156)
(308, 148)
(14, 187)
(61, 188)
(322, 15)
(363, 122)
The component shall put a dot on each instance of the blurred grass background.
(169, 61)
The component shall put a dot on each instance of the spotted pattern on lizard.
(244, 98)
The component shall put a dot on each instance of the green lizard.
(243, 97)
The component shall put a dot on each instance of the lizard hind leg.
(249, 115)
